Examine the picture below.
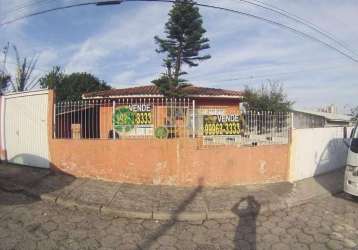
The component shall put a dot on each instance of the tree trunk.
(178, 62)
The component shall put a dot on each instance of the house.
(143, 111)
(317, 119)
(203, 96)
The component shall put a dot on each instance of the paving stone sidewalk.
(164, 202)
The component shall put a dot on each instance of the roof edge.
(162, 96)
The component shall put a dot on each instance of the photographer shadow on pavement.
(247, 210)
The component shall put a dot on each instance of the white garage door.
(26, 139)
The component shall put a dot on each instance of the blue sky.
(116, 44)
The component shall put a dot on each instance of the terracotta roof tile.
(152, 90)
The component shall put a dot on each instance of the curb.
(125, 213)
(184, 216)
(162, 215)
(74, 204)
(157, 215)
(296, 203)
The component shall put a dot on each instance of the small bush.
(161, 133)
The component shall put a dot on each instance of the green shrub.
(161, 133)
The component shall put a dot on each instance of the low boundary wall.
(170, 162)
(178, 162)
(317, 151)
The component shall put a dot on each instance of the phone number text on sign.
(142, 114)
(222, 125)
(142, 118)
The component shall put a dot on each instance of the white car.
(351, 175)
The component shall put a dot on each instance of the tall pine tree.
(182, 45)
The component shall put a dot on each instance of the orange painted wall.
(105, 121)
(170, 162)
(180, 162)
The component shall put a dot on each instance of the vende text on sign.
(222, 125)
(140, 108)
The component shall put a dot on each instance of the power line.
(304, 20)
(28, 4)
(223, 80)
(300, 20)
(277, 74)
(259, 4)
(272, 22)
(301, 33)
(46, 11)
(21, 9)
(277, 64)
(31, 3)
(21, 5)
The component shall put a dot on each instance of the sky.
(115, 43)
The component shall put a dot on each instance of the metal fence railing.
(247, 128)
(121, 118)
(168, 118)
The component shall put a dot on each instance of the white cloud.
(130, 31)
(124, 77)
(47, 57)
(121, 48)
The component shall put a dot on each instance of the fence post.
(193, 119)
(290, 127)
(113, 113)
(291, 118)
(54, 121)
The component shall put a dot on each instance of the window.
(355, 133)
(354, 143)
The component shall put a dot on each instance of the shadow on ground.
(153, 237)
(29, 182)
(246, 209)
(347, 197)
(334, 155)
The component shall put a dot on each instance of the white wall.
(26, 140)
(2, 131)
(317, 151)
